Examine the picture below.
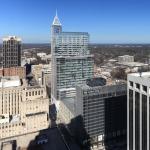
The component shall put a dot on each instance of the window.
(130, 120)
(137, 120)
(41, 91)
(137, 86)
(144, 88)
(38, 92)
(144, 122)
(131, 83)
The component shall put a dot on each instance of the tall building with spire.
(72, 62)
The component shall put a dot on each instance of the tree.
(119, 73)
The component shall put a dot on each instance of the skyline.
(106, 21)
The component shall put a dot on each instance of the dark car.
(41, 139)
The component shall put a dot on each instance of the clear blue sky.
(107, 21)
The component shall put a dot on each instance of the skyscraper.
(138, 110)
(71, 60)
(11, 52)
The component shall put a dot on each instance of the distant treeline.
(102, 53)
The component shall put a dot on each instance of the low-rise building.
(125, 58)
(41, 54)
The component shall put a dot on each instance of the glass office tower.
(71, 60)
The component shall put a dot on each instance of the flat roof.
(132, 64)
(9, 81)
(11, 37)
(142, 74)
(108, 83)
(9, 78)
(126, 56)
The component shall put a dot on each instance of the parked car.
(41, 139)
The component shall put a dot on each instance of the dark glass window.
(137, 86)
(144, 88)
(131, 83)
(137, 120)
(144, 122)
(12, 42)
(130, 119)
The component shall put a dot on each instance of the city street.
(58, 139)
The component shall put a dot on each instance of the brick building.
(13, 71)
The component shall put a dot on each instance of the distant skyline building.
(71, 60)
(125, 59)
(138, 111)
(11, 52)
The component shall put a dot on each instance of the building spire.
(56, 13)
(56, 20)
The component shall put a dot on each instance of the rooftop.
(101, 82)
(132, 64)
(126, 56)
(142, 78)
(96, 82)
(10, 81)
(11, 38)
(142, 74)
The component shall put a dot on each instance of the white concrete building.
(41, 54)
(125, 58)
(138, 111)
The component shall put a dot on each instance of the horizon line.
(109, 43)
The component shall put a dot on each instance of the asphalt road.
(59, 139)
(55, 141)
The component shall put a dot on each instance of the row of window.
(33, 93)
(138, 86)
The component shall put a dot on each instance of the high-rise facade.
(71, 60)
(11, 52)
(138, 111)
(103, 107)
